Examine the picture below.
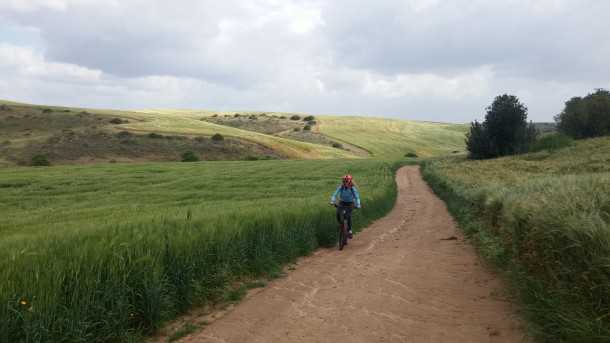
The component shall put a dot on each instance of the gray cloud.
(550, 40)
(421, 59)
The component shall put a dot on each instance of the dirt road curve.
(397, 281)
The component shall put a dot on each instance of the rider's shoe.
(350, 235)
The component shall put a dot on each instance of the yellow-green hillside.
(188, 122)
(393, 138)
(382, 138)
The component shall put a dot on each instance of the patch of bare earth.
(409, 277)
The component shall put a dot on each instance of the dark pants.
(348, 207)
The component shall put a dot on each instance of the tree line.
(506, 131)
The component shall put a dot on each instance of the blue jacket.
(346, 195)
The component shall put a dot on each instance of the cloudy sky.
(417, 59)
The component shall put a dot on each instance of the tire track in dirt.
(397, 281)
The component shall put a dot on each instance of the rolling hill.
(99, 135)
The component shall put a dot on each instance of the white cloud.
(26, 63)
(32, 5)
(469, 84)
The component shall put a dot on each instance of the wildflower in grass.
(25, 304)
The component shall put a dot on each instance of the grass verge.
(544, 221)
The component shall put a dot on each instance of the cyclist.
(346, 197)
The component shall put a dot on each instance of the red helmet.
(347, 180)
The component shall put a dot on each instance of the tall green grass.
(544, 217)
(108, 253)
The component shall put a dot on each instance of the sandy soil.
(409, 277)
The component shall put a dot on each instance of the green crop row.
(108, 253)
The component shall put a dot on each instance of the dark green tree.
(504, 131)
(477, 142)
(586, 117)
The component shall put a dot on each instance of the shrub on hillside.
(4, 108)
(296, 129)
(337, 145)
(236, 115)
(551, 142)
(307, 128)
(411, 155)
(295, 117)
(505, 130)
(123, 134)
(309, 118)
(282, 117)
(189, 156)
(200, 139)
(40, 160)
(218, 137)
(47, 110)
(118, 121)
(155, 135)
(252, 117)
(586, 117)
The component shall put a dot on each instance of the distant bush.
(505, 130)
(411, 155)
(155, 135)
(200, 139)
(236, 115)
(47, 110)
(252, 116)
(309, 118)
(282, 117)
(123, 134)
(586, 117)
(118, 121)
(296, 129)
(4, 108)
(552, 142)
(311, 123)
(307, 128)
(337, 145)
(214, 115)
(218, 137)
(40, 160)
(252, 158)
(189, 156)
(295, 117)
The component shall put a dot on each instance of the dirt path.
(397, 281)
